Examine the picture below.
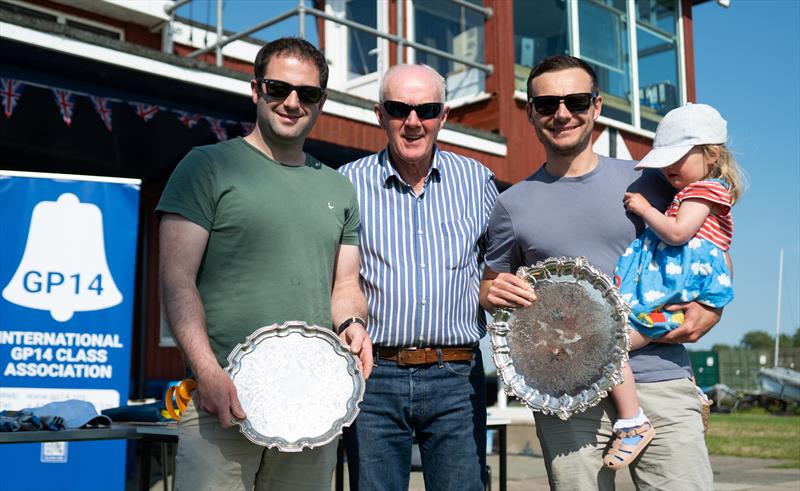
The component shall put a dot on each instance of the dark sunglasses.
(397, 109)
(278, 89)
(547, 105)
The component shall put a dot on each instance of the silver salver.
(562, 354)
(298, 384)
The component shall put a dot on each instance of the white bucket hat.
(680, 130)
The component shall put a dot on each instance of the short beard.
(575, 149)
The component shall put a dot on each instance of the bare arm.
(181, 247)
(347, 301)
(676, 230)
(504, 290)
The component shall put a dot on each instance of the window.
(362, 56)
(657, 47)
(356, 58)
(540, 29)
(604, 45)
(599, 32)
(455, 29)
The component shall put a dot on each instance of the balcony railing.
(301, 11)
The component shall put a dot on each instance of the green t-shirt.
(273, 234)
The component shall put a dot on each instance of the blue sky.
(747, 60)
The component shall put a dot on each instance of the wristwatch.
(349, 321)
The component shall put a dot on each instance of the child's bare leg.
(624, 396)
(632, 430)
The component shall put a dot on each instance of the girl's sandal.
(627, 445)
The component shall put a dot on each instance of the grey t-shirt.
(549, 216)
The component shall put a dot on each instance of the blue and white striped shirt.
(419, 254)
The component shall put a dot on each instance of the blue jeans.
(443, 404)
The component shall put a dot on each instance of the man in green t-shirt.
(255, 232)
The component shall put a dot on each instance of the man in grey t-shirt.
(572, 206)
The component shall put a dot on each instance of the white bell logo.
(64, 268)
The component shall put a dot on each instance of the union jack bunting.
(248, 127)
(216, 126)
(103, 108)
(188, 119)
(10, 91)
(146, 111)
(65, 100)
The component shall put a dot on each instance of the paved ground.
(527, 473)
(730, 474)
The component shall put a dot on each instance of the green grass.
(756, 434)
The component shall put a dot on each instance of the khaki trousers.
(213, 458)
(676, 459)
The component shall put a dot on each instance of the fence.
(737, 368)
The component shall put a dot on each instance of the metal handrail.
(398, 39)
(241, 34)
(486, 11)
(301, 10)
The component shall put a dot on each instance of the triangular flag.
(146, 111)
(216, 126)
(188, 119)
(103, 108)
(10, 91)
(65, 102)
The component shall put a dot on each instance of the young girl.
(680, 257)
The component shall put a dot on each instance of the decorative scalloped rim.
(287, 329)
(566, 405)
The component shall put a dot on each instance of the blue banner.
(67, 273)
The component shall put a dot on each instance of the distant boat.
(780, 383)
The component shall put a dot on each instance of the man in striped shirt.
(424, 212)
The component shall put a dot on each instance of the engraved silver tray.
(298, 384)
(562, 354)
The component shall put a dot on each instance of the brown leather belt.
(425, 356)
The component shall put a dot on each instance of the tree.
(757, 340)
(796, 338)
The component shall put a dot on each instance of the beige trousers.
(676, 459)
(213, 458)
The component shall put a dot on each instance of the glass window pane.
(659, 91)
(540, 29)
(362, 48)
(604, 45)
(659, 14)
(449, 27)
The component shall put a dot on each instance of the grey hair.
(440, 81)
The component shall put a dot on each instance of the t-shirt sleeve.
(503, 254)
(489, 195)
(352, 221)
(713, 191)
(191, 191)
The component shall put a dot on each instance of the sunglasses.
(429, 110)
(278, 89)
(547, 105)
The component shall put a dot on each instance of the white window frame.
(410, 56)
(575, 50)
(337, 50)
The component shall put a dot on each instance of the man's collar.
(390, 172)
